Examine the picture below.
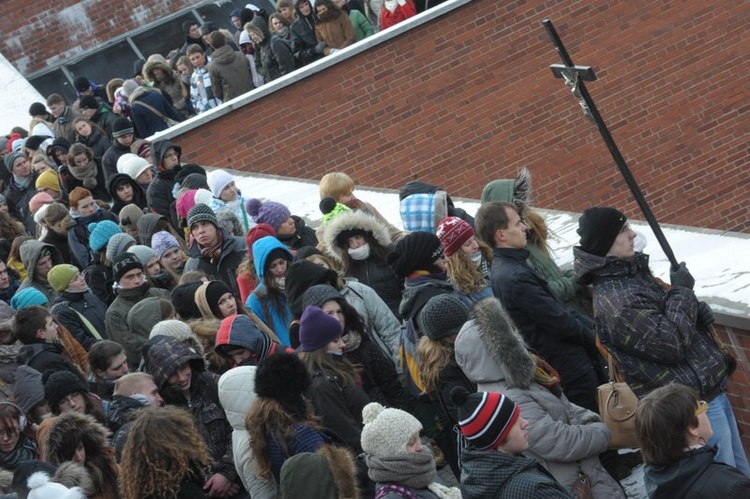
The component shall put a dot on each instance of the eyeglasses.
(702, 407)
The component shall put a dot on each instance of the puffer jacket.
(500, 475)
(236, 393)
(651, 332)
(563, 437)
(159, 192)
(30, 254)
(384, 327)
(373, 272)
(696, 476)
(233, 251)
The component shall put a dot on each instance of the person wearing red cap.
(493, 464)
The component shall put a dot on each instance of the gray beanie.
(117, 245)
(11, 158)
(143, 253)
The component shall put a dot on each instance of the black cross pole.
(574, 78)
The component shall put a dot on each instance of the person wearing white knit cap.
(396, 459)
(226, 196)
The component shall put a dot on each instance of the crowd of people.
(163, 335)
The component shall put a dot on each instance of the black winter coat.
(139, 197)
(233, 251)
(18, 202)
(380, 277)
(67, 308)
(557, 333)
(303, 236)
(304, 39)
(97, 142)
(159, 193)
(109, 160)
(696, 476)
(78, 236)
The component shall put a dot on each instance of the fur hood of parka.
(491, 349)
(352, 220)
(60, 443)
(341, 481)
(151, 65)
(236, 393)
(563, 437)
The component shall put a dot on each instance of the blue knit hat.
(28, 297)
(163, 241)
(101, 232)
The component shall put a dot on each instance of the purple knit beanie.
(270, 212)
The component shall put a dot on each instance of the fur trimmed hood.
(72, 474)
(489, 348)
(304, 474)
(71, 427)
(350, 221)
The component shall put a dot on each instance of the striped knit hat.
(485, 418)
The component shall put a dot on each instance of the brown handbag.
(617, 404)
(582, 487)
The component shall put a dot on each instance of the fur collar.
(350, 220)
(504, 343)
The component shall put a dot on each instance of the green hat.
(59, 276)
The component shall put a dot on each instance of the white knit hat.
(122, 160)
(217, 180)
(171, 327)
(41, 488)
(387, 431)
(134, 166)
(202, 196)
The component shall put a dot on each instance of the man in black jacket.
(560, 335)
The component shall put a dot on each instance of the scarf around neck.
(86, 174)
(416, 470)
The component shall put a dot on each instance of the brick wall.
(468, 97)
(739, 384)
(40, 34)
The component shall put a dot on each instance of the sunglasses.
(702, 407)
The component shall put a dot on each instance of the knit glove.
(705, 314)
(682, 277)
(320, 47)
(401, 2)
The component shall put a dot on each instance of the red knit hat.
(453, 232)
(485, 418)
(256, 232)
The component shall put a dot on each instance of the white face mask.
(477, 257)
(280, 282)
(361, 253)
(336, 353)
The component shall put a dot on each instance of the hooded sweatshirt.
(159, 192)
(31, 252)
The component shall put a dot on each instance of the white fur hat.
(387, 431)
(41, 488)
(217, 180)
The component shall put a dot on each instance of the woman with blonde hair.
(442, 319)
(164, 456)
(340, 187)
(467, 260)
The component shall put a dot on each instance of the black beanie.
(442, 315)
(283, 377)
(34, 142)
(416, 251)
(300, 276)
(81, 84)
(122, 126)
(598, 228)
(277, 253)
(60, 384)
(183, 300)
(88, 102)
(214, 291)
(123, 264)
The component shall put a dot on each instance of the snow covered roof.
(17, 96)
(718, 260)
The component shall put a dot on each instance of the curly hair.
(10, 228)
(162, 449)
(433, 356)
(266, 417)
(464, 274)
